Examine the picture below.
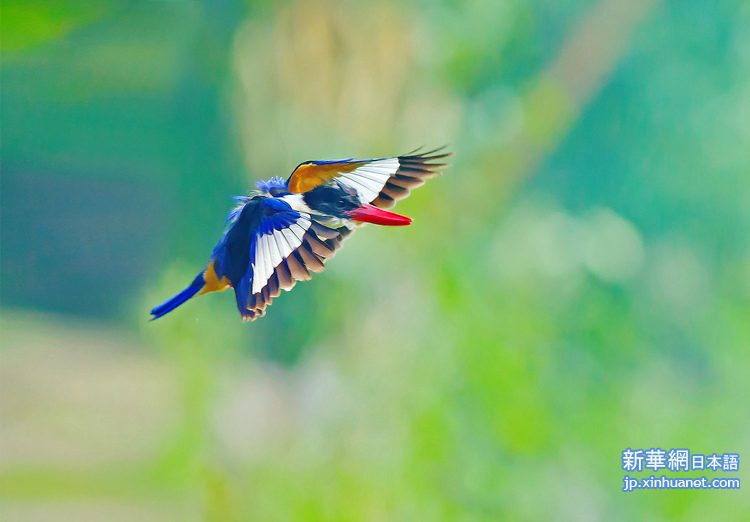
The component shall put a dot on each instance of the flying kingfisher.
(287, 229)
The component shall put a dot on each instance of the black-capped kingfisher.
(287, 229)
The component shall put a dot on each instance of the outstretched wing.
(379, 181)
(285, 248)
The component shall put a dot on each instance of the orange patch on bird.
(213, 283)
(309, 175)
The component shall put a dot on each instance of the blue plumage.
(274, 182)
(170, 304)
(276, 204)
(331, 162)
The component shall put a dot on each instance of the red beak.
(378, 216)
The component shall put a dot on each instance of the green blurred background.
(576, 284)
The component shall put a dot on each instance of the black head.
(333, 199)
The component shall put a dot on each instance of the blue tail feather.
(171, 304)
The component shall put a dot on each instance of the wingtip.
(428, 155)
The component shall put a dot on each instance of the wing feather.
(290, 237)
(285, 250)
(324, 232)
(297, 231)
(260, 268)
(273, 249)
(378, 181)
(284, 247)
(286, 281)
(309, 259)
(297, 267)
(366, 182)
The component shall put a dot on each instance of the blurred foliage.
(577, 283)
(27, 23)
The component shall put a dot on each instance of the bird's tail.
(171, 304)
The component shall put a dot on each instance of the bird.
(286, 229)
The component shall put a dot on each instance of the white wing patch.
(271, 249)
(369, 179)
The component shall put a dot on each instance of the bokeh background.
(576, 284)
